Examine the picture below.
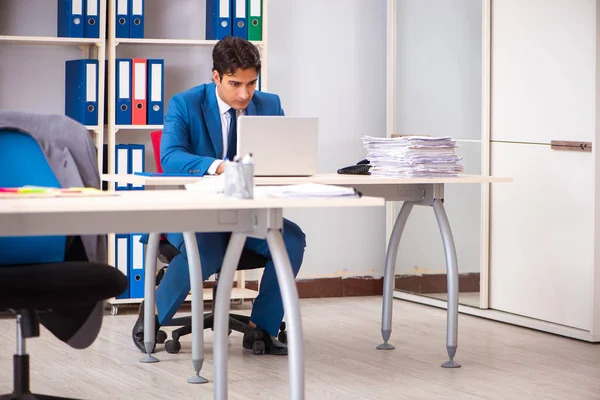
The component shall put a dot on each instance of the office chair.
(239, 323)
(47, 279)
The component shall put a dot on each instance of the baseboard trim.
(335, 287)
(371, 286)
(501, 316)
(436, 283)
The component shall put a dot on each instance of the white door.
(543, 70)
(541, 224)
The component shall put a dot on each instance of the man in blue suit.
(199, 133)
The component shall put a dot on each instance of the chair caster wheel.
(258, 348)
(282, 337)
(282, 326)
(172, 346)
(161, 336)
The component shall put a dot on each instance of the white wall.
(438, 93)
(326, 59)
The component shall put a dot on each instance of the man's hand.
(220, 168)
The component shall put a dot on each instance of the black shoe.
(160, 275)
(260, 342)
(137, 332)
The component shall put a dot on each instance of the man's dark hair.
(233, 53)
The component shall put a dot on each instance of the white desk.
(411, 191)
(187, 212)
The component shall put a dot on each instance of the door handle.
(566, 145)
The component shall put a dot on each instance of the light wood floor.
(499, 361)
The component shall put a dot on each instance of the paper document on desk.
(308, 190)
(208, 185)
(43, 191)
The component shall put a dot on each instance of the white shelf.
(173, 42)
(49, 40)
(236, 294)
(134, 127)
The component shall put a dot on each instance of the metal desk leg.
(221, 314)
(149, 296)
(193, 256)
(388, 276)
(291, 305)
(452, 274)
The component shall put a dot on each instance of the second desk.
(412, 192)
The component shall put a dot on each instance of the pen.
(247, 159)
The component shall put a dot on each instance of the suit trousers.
(267, 312)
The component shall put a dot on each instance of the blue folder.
(123, 91)
(92, 25)
(218, 19)
(156, 71)
(122, 259)
(122, 23)
(81, 91)
(136, 264)
(240, 18)
(70, 18)
(137, 162)
(136, 19)
(122, 164)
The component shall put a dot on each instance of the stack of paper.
(307, 190)
(412, 156)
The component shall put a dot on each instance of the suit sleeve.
(175, 148)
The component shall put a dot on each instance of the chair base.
(32, 396)
(238, 323)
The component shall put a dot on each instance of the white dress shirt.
(225, 121)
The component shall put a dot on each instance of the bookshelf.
(47, 40)
(165, 48)
(170, 35)
(90, 48)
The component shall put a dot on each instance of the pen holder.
(239, 180)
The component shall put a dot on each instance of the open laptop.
(280, 145)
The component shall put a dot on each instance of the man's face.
(236, 89)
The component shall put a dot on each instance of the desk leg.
(291, 305)
(388, 277)
(195, 267)
(452, 276)
(221, 314)
(149, 296)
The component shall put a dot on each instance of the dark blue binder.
(156, 97)
(122, 164)
(123, 91)
(137, 162)
(81, 91)
(240, 18)
(122, 259)
(136, 19)
(92, 21)
(122, 23)
(137, 267)
(70, 18)
(218, 19)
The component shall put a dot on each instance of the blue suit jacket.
(192, 137)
